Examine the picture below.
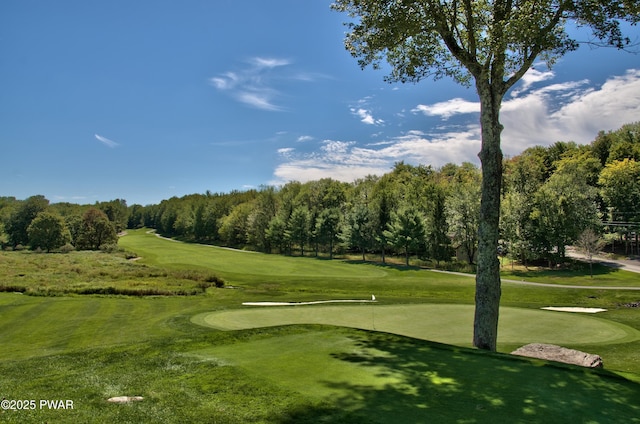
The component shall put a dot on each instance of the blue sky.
(144, 100)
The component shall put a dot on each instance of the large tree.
(19, 221)
(491, 43)
(96, 230)
(48, 231)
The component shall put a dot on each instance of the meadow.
(196, 354)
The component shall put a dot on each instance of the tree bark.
(488, 291)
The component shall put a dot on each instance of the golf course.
(302, 340)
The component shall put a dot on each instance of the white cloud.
(366, 116)
(304, 138)
(254, 84)
(260, 98)
(363, 111)
(449, 108)
(346, 161)
(262, 62)
(225, 82)
(531, 77)
(568, 111)
(286, 151)
(571, 111)
(106, 141)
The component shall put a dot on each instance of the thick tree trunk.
(485, 327)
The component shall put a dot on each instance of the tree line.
(36, 224)
(550, 196)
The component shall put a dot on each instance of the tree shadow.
(575, 269)
(398, 267)
(431, 382)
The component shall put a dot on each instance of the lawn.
(451, 324)
(293, 364)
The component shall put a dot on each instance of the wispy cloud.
(304, 138)
(255, 84)
(106, 141)
(568, 111)
(363, 111)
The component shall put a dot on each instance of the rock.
(559, 354)
(125, 399)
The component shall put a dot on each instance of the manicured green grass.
(88, 348)
(451, 324)
(311, 374)
(379, 377)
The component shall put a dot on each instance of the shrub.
(130, 255)
(67, 248)
(109, 248)
(12, 288)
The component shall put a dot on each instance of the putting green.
(451, 324)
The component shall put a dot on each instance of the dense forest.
(552, 197)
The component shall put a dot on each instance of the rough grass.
(88, 272)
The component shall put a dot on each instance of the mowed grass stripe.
(40, 326)
(452, 324)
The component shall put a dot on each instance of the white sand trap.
(574, 309)
(316, 302)
(125, 399)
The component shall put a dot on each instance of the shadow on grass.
(441, 383)
(398, 267)
(575, 269)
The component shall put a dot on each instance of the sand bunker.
(125, 399)
(316, 302)
(574, 309)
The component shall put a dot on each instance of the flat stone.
(551, 352)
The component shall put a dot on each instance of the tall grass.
(97, 273)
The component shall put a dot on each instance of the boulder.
(559, 354)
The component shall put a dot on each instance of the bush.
(109, 248)
(211, 281)
(67, 248)
(12, 288)
(130, 255)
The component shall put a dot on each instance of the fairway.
(451, 324)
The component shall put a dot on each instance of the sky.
(144, 100)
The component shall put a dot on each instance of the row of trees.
(550, 196)
(39, 225)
